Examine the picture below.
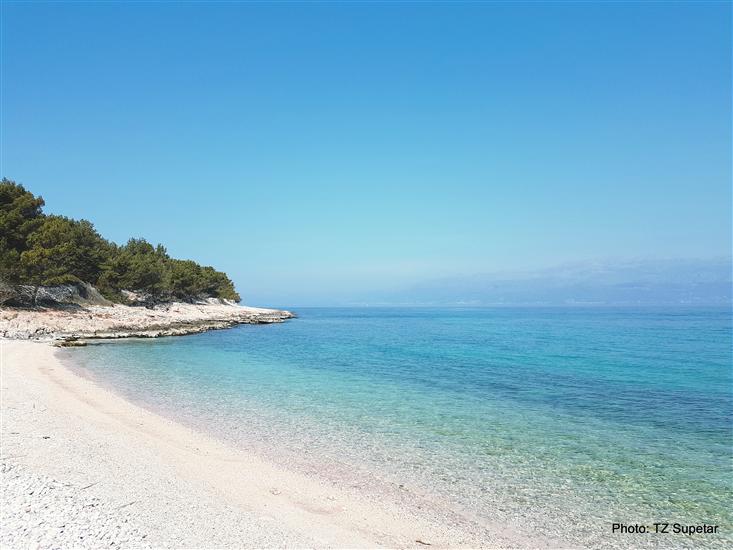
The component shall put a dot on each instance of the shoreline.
(77, 323)
(169, 485)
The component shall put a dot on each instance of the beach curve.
(155, 482)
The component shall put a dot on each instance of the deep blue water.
(563, 420)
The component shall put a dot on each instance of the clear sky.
(309, 149)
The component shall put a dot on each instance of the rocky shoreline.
(72, 324)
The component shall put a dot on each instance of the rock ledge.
(76, 323)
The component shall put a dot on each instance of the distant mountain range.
(626, 282)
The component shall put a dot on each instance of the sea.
(560, 423)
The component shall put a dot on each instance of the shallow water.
(557, 421)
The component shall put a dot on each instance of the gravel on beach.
(39, 511)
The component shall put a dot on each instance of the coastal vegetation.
(40, 249)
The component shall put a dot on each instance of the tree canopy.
(40, 249)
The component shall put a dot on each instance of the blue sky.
(311, 149)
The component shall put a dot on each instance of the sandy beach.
(83, 467)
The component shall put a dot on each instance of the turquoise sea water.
(555, 421)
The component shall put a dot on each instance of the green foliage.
(137, 266)
(187, 278)
(216, 283)
(184, 278)
(20, 215)
(63, 250)
(49, 250)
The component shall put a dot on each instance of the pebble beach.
(84, 468)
